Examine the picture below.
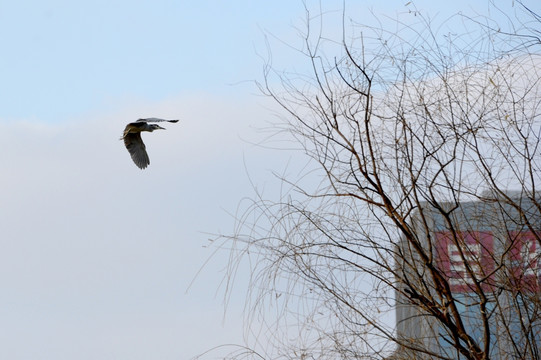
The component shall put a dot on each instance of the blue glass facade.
(487, 251)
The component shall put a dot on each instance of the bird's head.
(153, 127)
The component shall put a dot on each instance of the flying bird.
(134, 143)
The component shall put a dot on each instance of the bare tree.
(420, 205)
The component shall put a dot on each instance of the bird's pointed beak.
(159, 127)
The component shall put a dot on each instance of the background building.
(489, 252)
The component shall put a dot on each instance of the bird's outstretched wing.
(147, 120)
(137, 149)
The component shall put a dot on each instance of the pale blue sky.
(65, 58)
(95, 254)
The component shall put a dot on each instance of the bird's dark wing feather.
(147, 120)
(136, 148)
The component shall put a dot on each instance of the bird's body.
(134, 143)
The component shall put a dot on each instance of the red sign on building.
(525, 260)
(466, 259)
